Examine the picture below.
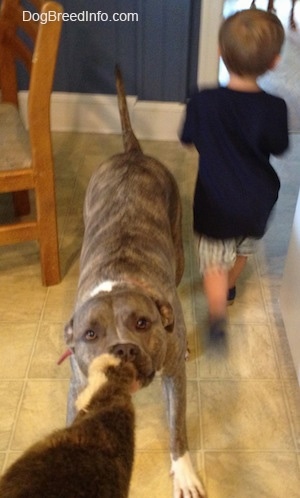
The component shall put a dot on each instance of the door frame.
(211, 16)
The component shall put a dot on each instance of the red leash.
(64, 356)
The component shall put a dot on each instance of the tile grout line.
(281, 378)
(25, 378)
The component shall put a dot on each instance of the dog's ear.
(167, 315)
(68, 333)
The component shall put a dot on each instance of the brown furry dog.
(93, 457)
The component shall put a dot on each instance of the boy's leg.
(221, 263)
(244, 248)
(215, 284)
(216, 258)
(237, 269)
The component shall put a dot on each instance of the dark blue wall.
(89, 50)
(158, 53)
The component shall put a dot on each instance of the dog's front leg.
(77, 382)
(186, 482)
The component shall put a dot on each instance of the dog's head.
(126, 323)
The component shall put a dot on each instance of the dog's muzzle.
(128, 352)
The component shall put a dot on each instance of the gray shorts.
(221, 254)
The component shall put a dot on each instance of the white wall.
(290, 291)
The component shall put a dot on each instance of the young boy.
(235, 129)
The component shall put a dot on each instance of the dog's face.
(127, 323)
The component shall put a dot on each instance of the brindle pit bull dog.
(127, 303)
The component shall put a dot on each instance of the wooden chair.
(26, 161)
(271, 8)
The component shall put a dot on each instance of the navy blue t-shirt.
(235, 133)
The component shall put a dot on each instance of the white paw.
(186, 482)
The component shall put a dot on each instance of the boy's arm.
(278, 130)
(189, 125)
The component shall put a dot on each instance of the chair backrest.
(35, 45)
(41, 81)
(18, 42)
(13, 32)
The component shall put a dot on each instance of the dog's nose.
(126, 352)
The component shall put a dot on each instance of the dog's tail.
(129, 139)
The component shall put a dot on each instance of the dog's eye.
(142, 324)
(90, 335)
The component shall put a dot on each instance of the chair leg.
(49, 253)
(21, 203)
(48, 236)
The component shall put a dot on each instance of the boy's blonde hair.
(249, 41)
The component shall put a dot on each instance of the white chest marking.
(105, 286)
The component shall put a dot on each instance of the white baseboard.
(99, 114)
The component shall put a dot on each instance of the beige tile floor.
(243, 406)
